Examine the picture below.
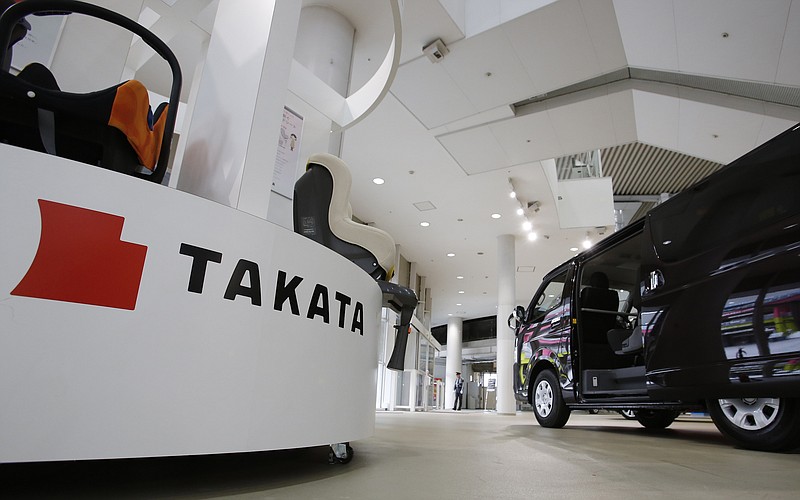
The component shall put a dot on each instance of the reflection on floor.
(446, 454)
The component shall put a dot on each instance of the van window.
(547, 299)
(616, 269)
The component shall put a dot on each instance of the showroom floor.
(445, 454)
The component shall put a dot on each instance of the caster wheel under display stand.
(340, 453)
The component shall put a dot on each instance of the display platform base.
(137, 320)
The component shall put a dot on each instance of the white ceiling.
(447, 133)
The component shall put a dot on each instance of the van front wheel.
(548, 403)
(765, 424)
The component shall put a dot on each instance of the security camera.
(436, 50)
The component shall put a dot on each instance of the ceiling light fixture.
(587, 243)
(378, 181)
(496, 216)
(527, 226)
(459, 277)
(461, 291)
(520, 211)
(532, 236)
(424, 224)
(451, 254)
(573, 249)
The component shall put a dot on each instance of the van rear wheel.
(548, 403)
(765, 424)
(656, 419)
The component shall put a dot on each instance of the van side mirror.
(516, 318)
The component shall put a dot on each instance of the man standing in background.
(459, 388)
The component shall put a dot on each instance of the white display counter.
(199, 329)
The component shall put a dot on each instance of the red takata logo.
(82, 259)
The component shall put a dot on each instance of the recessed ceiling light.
(378, 181)
(512, 194)
(461, 291)
(451, 254)
(527, 226)
(496, 216)
(587, 244)
(531, 236)
(573, 249)
(424, 224)
(459, 304)
(459, 277)
(520, 211)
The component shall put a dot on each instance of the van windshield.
(546, 299)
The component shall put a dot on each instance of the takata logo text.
(245, 280)
(82, 259)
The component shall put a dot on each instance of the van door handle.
(656, 280)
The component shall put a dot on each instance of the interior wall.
(80, 63)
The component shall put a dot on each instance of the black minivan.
(694, 307)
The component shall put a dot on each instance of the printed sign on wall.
(39, 44)
(286, 159)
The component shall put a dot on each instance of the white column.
(325, 45)
(233, 137)
(506, 297)
(453, 360)
(412, 390)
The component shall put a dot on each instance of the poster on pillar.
(39, 44)
(288, 154)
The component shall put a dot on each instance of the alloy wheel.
(750, 413)
(543, 398)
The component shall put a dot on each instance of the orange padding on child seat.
(129, 115)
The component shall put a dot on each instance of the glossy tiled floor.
(443, 455)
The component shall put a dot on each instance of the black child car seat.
(113, 128)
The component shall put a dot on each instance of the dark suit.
(459, 387)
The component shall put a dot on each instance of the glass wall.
(413, 388)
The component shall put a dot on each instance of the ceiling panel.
(736, 131)
(481, 16)
(622, 115)
(429, 92)
(789, 62)
(583, 125)
(487, 69)
(656, 116)
(776, 120)
(603, 29)
(647, 29)
(527, 138)
(751, 49)
(554, 45)
(475, 149)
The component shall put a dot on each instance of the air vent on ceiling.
(424, 206)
